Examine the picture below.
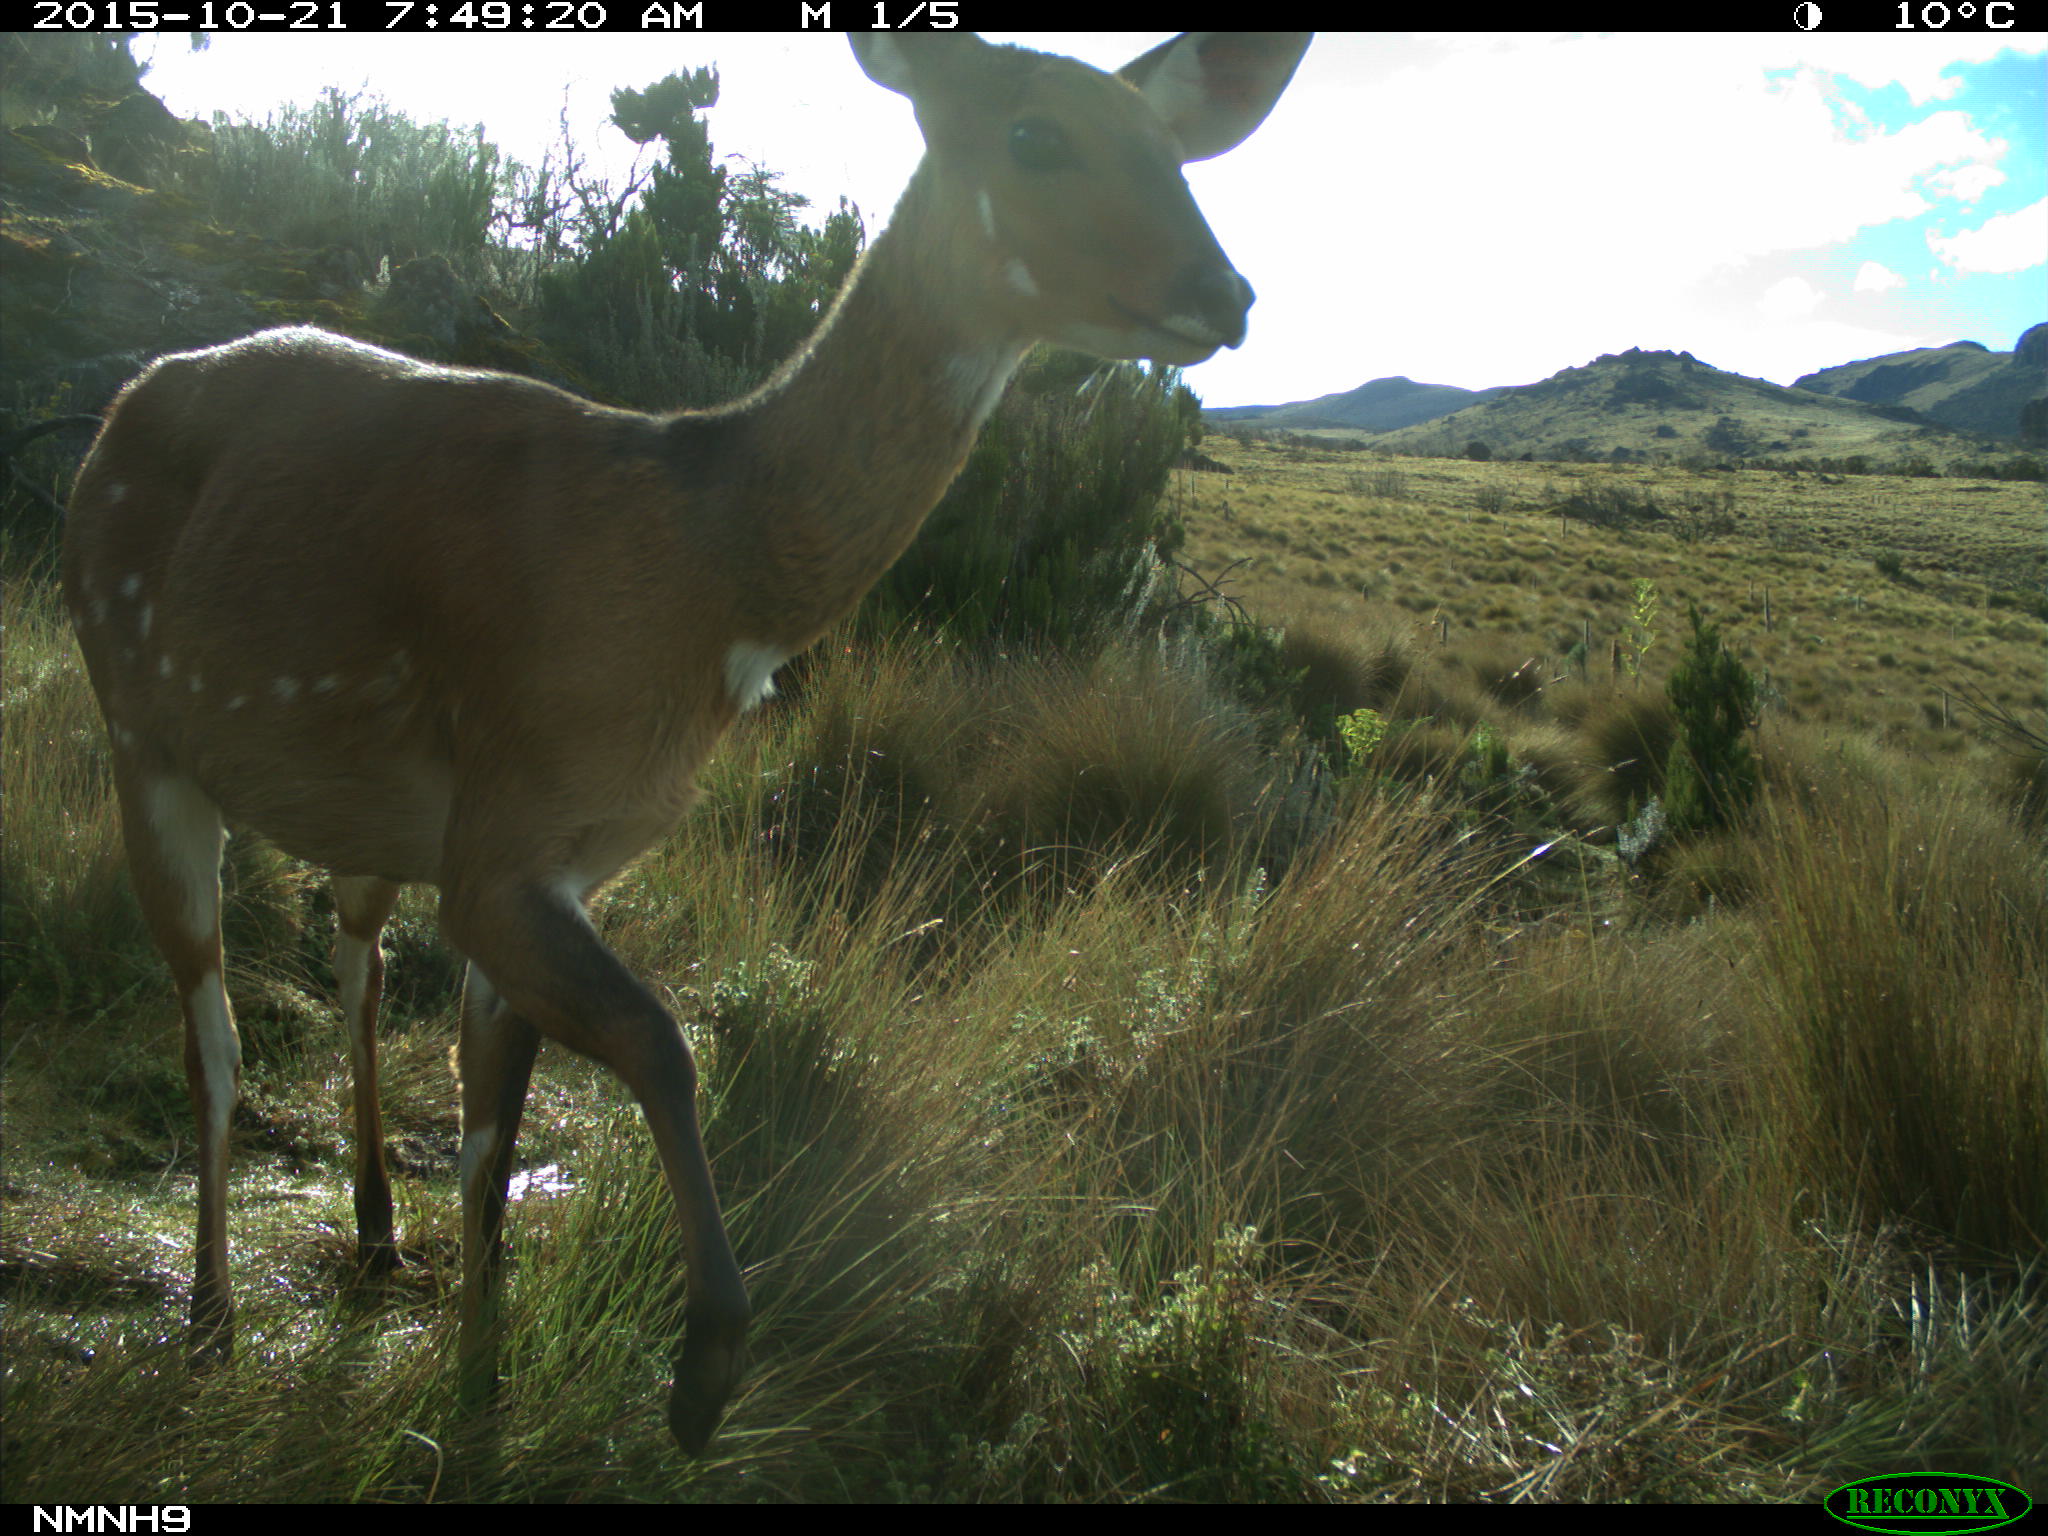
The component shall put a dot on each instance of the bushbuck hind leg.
(538, 949)
(323, 579)
(495, 1062)
(174, 835)
(362, 905)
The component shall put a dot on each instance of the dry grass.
(1843, 645)
(1087, 1138)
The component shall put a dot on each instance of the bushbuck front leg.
(539, 951)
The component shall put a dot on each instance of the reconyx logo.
(1917, 1502)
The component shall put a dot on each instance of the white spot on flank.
(130, 585)
(1019, 277)
(193, 679)
(99, 610)
(987, 212)
(327, 684)
(148, 613)
(238, 701)
(116, 491)
(387, 682)
(163, 666)
(286, 689)
(750, 672)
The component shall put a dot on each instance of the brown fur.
(417, 623)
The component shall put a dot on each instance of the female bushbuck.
(417, 623)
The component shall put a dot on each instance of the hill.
(1379, 406)
(1963, 385)
(1639, 405)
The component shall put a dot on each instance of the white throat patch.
(750, 672)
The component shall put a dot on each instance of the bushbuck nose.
(1213, 292)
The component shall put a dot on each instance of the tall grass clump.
(1904, 978)
(1629, 739)
(72, 934)
(1132, 752)
(1331, 672)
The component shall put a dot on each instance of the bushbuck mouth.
(1193, 331)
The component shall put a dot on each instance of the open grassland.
(1111, 1104)
(1861, 599)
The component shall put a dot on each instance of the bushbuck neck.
(910, 342)
(430, 624)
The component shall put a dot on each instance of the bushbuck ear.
(1214, 88)
(896, 59)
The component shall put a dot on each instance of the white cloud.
(1875, 277)
(1966, 183)
(1465, 209)
(1789, 298)
(2010, 242)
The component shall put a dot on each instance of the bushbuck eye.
(1039, 144)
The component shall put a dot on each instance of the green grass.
(1103, 1111)
(1785, 565)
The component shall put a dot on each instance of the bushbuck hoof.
(714, 1358)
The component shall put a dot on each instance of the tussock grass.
(61, 878)
(1102, 1114)
(1904, 948)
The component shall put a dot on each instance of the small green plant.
(1642, 627)
(1486, 760)
(1179, 1380)
(1361, 731)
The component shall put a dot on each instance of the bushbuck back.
(425, 624)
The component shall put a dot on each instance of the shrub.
(1053, 530)
(1710, 774)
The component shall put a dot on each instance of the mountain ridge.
(1645, 403)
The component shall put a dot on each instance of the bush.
(1053, 531)
(354, 173)
(1710, 774)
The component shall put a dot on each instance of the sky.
(1463, 208)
